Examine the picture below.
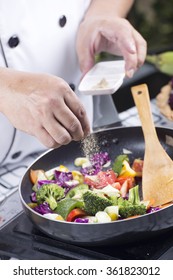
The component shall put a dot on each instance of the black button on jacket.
(13, 41)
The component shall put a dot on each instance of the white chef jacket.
(39, 36)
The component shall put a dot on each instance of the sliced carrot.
(166, 205)
(34, 175)
(148, 203)
(151, 202)
(132, 217)
(122, 179)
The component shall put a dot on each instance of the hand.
(44, 106)
(114, 35)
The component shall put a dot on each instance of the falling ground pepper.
(90, 145)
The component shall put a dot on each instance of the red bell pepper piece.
(75, 213)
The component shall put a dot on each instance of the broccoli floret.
(114, 200)
(94, 202)
(50, 193)
(77, 191)
(131, 210)
(132, 206)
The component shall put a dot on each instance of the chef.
(46, 46)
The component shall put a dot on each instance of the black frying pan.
(113, 141)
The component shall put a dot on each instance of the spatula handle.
(142, 100)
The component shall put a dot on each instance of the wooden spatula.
(157, 178)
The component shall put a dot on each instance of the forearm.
(11, 81)
(118, 8)
(4, 83)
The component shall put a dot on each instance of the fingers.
(66, 124)
(62, 118)
(81, 117)
(86, 59)
(45, 138)
(127, 46)
(50, 110)
(114, 35)
(53, 138)
(70, 113)
(84, 48)
(126, 41)
(141, 46)
(133, 59)
(52, 133)
(58, 133)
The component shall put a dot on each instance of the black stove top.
(20, 239)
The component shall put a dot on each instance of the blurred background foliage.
(154, 20)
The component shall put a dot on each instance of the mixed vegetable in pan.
(96, 191)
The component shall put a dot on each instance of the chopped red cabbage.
(65, 180)
(81, 220)
(43, 208)
(33, 197)
(89, 170)
(153, 209)
(43, 182)
(70, 185)
(63, 177)
(98, 160)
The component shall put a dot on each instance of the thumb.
(86, 59)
